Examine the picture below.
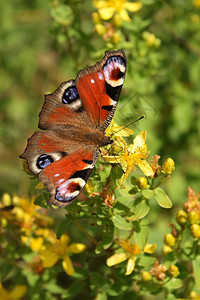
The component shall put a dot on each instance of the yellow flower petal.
(36, 243)
(124, 15)
(49, 258)
(133, 7)
(106, 13)
(18, 292)
(145, 167)
(100, 4)
(3, 293)
(130, 265)
(139, 140)
(77, 248)
(117, 258)
(64, 240)
(149, 248)
(67, 265)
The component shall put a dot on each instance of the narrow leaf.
(162, 198)
(140, 209)
(121, 222)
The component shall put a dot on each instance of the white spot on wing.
(92, 80)
(100, 75)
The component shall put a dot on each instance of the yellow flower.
(133, 155)
(196, 3)
(109, 8)
(61, 249)
(131, 251)
(150, 248)
(17, 293)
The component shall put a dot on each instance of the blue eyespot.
(43, 161)
(70, 95)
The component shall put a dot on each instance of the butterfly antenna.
(140, 118)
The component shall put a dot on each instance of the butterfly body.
(73, 120)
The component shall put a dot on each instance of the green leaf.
(140, 209)
(121, 222)
(62, 14)
(107, 239)
(64, 226)
(196, 268)
(101, 296)
(148, 194)
(174, 283)
(162, 198)
(141, 236)
(146, 261)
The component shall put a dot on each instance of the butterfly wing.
(63, 166)
(74, 118)
(99, 87)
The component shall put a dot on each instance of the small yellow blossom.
(195, 231)
(173, 271)
(109, 8)
(133, 155)
(166, 249)
(131, 251)
(196, 3)
(146, 276)
(181, 217)
(142, 183)
(150, 248)
(60, 249)
(17, 293)
(170, 240)
(168, 166)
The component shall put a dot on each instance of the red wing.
(66, 177)
(99, 87)
(62, 107)
(63, 166)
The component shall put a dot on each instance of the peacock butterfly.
(74, 119)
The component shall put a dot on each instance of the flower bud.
(142, 183)
(95, 18)
(166, 249)
(173, 271)
(193, 217)
(181, 217)
(168, 166)
(146, 276)
(170, 240)
(116, 38)
(100, 29)
(195, 231)
(6, 199)
(117, 20)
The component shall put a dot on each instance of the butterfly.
(74, 119)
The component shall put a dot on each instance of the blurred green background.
(46, 42)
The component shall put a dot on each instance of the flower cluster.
(110, 16)
(31, 231)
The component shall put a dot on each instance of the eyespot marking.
(70, 95)
(114, 70)
(43, 161)
(69, 189)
